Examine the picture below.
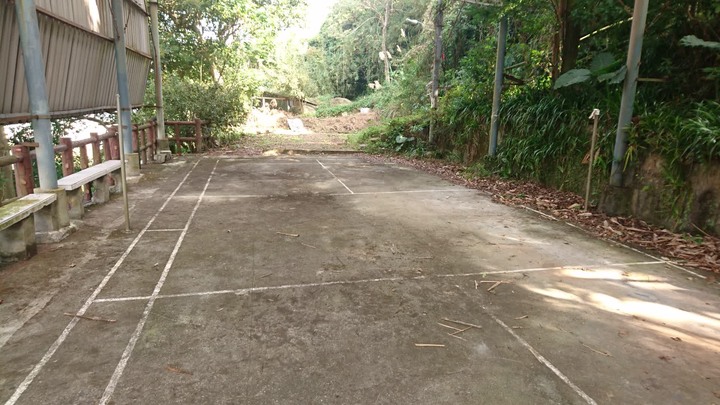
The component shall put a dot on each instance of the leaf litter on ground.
(699, 252)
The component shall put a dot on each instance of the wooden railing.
(145, 137)
(104, 147)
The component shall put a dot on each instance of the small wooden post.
(151, 138)
(135, 140)
(97, 159)
(198, 136)
(114, 145)
(588, 186)
(177, 139)
(145, 145)
(24, 182)
(84, 163)
(84, 159)
(107, 155)
(68, 166)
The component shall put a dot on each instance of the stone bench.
(17, 226)
(100, 176)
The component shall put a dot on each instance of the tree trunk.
(570, 34)
(386, 54)
(437, 66)
(555, 68)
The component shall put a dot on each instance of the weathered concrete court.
(217, 301)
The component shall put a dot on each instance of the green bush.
(405, 135)
(223, 106)
(326, 109)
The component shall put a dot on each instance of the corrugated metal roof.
(77, 43)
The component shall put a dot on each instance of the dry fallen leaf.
(677, 339)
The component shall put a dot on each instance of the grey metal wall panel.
(77, 48)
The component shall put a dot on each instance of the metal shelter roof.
(77, 38)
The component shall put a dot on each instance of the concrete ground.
(328, 279)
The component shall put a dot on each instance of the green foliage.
(218, 54)
(604, 68)
(683, 136)
(327, 109)
(344, 58)
(396, 135)
(211, 39)
(692, 40)
(543, 131)
(223, 106)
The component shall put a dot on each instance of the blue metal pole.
(37, 91)
(629, 87)
(122, 73)
(497, 94)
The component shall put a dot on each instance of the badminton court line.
(59, 341)
(243, 291)
(336, 178)
(110, 389)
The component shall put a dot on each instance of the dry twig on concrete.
(428, 345)
(91, 318)
(463, 323)
(292, 235)
(461, 331)
(449, 327)
(597, 351)
(177, 370)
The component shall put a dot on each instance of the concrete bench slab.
(79, 179)
(22, 208)
(99, 175)
(17, 226)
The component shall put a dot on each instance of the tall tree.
(209, 38)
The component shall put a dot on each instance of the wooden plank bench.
(17, 226)
(100, 176)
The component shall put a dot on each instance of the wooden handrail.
(144, 139)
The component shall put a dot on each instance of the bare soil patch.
(267, 133)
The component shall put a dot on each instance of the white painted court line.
(666, 262)
(110, 389)
(318, 194)
(336, 178)
(542, 359)
(409, 192)
(59, 341)
(242, 291)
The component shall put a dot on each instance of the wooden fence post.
(106, 150)
(24, 182)
(198, 136)
(84, 164)
(151, 136)
(135, 143)
(68, 166)
(97, 159)
(84, 159)
(178, 144)
(144, 147)
(114, 145)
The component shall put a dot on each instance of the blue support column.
(122, 73)
(37, 91)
